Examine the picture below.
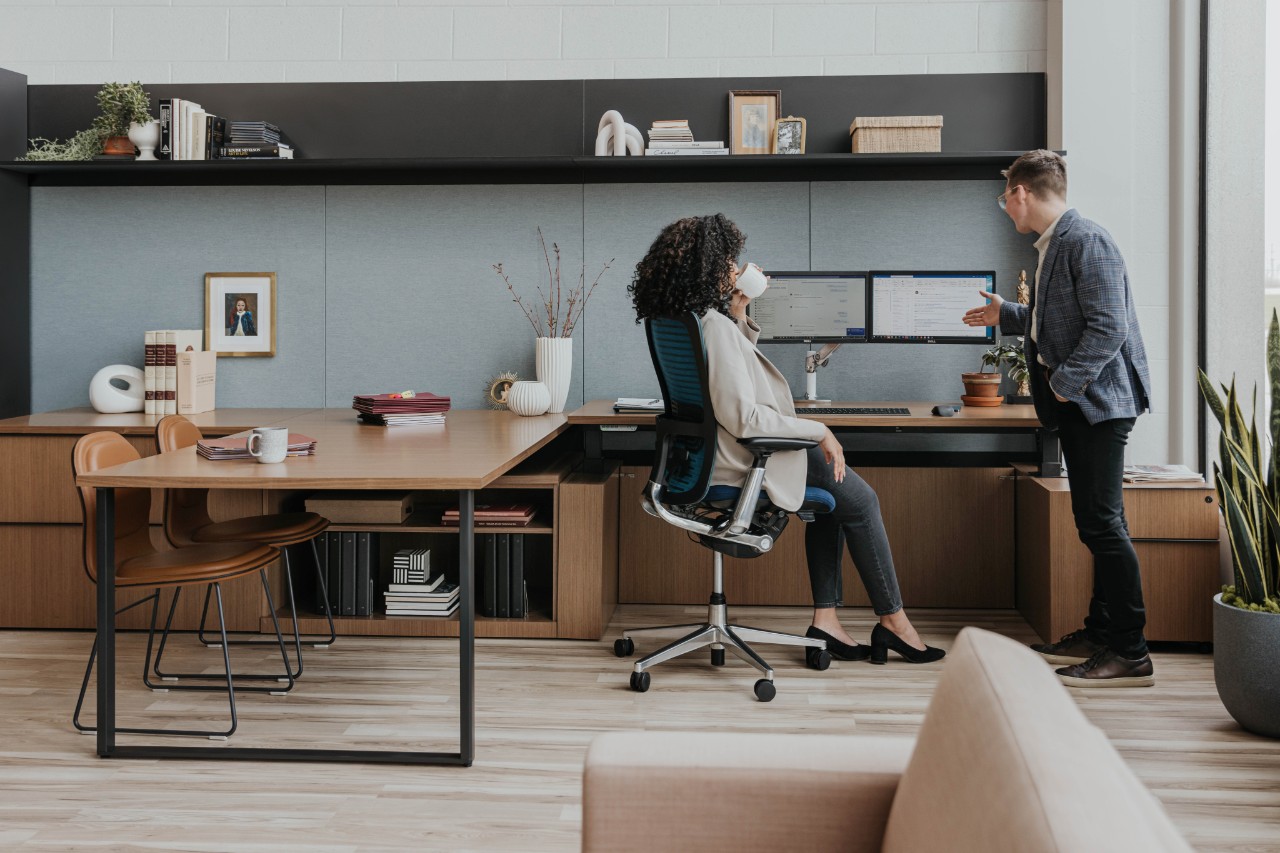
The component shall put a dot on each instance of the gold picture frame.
(244, 304)
(789, 135)
(752, 113)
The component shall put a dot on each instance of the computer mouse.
(944, 411)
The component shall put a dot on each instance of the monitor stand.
(814, 359)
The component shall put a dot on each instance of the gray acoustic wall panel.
(413, 301)
(622, 221)
(108, 264)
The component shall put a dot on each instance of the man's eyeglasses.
(1003, 198)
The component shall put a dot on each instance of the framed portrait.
(240, 313)
(789, 135)
(752, 114)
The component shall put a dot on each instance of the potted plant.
(553, 345)
(1246, 614)
(121, 105)
(1014, 358)
(982, 388)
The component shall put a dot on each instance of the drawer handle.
(1208, 500)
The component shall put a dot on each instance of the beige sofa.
(1004, 761)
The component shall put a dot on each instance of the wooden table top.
(469, 451)
(85, 420)
(921, 417)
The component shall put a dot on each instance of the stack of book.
(349, 565)
(673, 138)
(503, 592)
(494, 515)
(633, 405)
(256, 140)
(1161, 474)
(238, 448)
(414, 592)
(160, 370)
(398, 409)
(188, 132)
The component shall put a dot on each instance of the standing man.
(1089, 382)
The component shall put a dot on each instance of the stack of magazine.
(401, 409)
(638, 404)
(414, 592)
(1161, 474)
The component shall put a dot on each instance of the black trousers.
(1094, 455)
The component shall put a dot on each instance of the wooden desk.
(470, 451)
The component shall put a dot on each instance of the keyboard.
(855, 410)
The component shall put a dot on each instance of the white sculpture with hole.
(117, 388)
(614, 136)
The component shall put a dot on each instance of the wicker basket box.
(893, 134)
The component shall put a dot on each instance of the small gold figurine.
(1024, 292)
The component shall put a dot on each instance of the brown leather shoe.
(1108, 669)
(1075, 647)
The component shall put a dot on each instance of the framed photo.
(240, 313)
(752, 114)
(788, 135)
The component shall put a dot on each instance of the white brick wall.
(247, 41)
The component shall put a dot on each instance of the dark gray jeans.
(856, 519)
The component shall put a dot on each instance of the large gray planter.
(1246, 666)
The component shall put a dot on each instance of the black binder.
(333, 579)
(519, 605)
(366, 560)
(348, 599)
(489, 578)
(322, 554)
(504, 575)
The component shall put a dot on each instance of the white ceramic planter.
(553, 360)
(146, 137)
(528, 398)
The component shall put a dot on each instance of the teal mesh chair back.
(686, 430)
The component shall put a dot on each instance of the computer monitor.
(827, 307)
(928, 307)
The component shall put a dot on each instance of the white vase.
(528, 398)
(146, 137)
(553, 359)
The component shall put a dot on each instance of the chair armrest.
(771, 445)
(644, 791)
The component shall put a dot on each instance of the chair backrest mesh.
(687, 429)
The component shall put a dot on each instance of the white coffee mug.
(752, 281)
(269, 444)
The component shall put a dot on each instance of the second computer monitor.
(812, 306)
(928, 307)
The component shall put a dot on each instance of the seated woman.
(693, 266)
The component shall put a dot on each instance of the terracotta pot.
(118, 145)
(981, 384)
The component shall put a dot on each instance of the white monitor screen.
(928, 307)
(812, 306)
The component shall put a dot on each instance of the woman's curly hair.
(686, 267)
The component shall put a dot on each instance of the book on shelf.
(250, 152)
(238, 448)
(149, 373)
(414, 610)
(639, 404)
(165, 108)
(197, 381)
(442, 602)
(684, 152)
(400, 420)
(362, 507)
(429, 586)
(1161, 474)
(689, 143)
(442, 593)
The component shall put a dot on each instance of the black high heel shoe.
(839, 650)
(882, 639)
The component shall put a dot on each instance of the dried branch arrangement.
(551, 303)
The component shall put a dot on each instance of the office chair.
(187, 521)
(733, 520)
(140, 565)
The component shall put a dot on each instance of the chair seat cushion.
(195, 564)
(286, 528)
(815, 500)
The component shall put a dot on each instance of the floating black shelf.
(573, 169)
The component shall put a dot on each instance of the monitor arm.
(814, 359)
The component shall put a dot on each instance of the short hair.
(1041, 172)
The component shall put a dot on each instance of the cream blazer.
(753, 400)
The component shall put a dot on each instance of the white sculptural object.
(110, 399)
(615, 136)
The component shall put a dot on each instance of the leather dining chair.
(187, 521)
(139, 565)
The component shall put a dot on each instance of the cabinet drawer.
(1171, 513)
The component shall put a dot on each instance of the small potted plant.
(1246, 615)
(1014, 359)
(982, 388)
(122, 105)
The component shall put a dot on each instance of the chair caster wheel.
(640, 682)
(717, 657)
(624, 648)
(819, 659)
(765, 691)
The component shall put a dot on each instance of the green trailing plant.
(120, 104)
(1249, 488)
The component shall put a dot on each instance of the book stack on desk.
(238, 448)
(673, 138)
(626, 405)
(413, 591)
(422, 407)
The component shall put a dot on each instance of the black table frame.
(106, 723)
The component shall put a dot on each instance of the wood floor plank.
(539, 703)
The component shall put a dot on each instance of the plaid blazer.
(1087, 328)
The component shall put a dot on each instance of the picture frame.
(240, 313)
(752, 114)
(789, 135)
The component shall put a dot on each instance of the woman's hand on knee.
(833, 453)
